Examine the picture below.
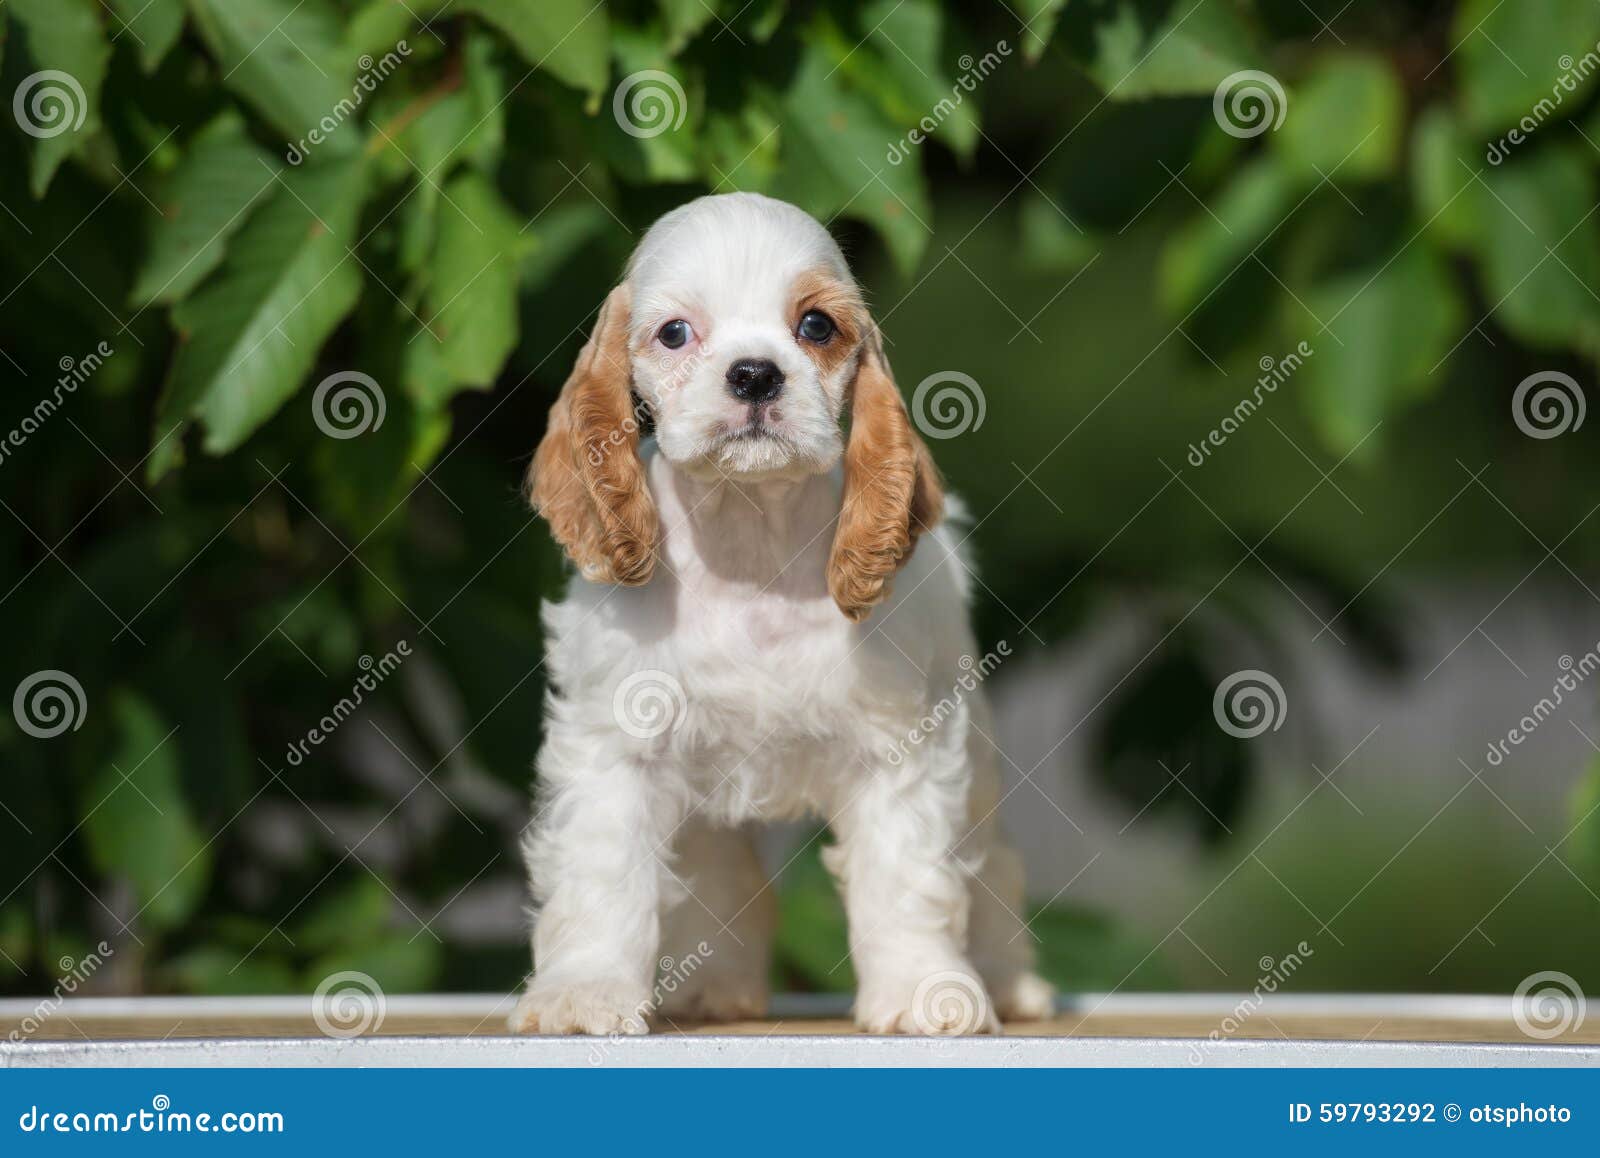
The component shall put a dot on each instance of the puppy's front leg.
(594, 859)
(906, 898)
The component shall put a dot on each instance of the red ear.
(892, 490)
(586, 479)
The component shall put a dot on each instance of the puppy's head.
(739, 327)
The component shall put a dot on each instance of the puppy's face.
(744, 333)
(740, 327)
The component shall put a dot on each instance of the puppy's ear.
(586, 478)
(892, 489)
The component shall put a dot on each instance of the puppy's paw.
(594, 1007)
(946, 1002)
(1024, 997)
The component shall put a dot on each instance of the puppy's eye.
(675, 333)
(815, 326)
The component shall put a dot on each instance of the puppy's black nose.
(755, 380)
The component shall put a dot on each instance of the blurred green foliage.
(211, 567)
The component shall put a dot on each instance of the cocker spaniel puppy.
(755, 637)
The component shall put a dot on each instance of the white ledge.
(281, 1025)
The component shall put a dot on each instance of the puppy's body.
(744, 683)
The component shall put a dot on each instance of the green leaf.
(253, 332)
(154, 25)
(907, 36)
(570, 39)
(284, 58)
(137, 824)
(662, 99)
(472, 294)
(204, 202)
(315, 621)
(684, 18)
(1388, 328)
(378, 26)
(740, 150)
(835, 159)
(62, 37)
(1540, 248)
(763, 17)
(1346, 120)
(1442, 167)
(1039, 18)
(1509, 57)
(1198, 45)
(219, 972)
(466, 126)
(1213, 244)
(348, 915)
(558, 233)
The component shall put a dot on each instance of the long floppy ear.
(586, 478)
(892, 490)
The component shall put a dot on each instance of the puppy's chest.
(781, 628)
(759, 594)
(765, 653)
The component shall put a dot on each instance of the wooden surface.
(76, 1026)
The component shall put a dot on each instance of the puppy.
(755, 638)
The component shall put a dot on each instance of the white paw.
(1025, 997)
(595, 1007)
(945, 1002)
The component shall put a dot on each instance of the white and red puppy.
(752, 638)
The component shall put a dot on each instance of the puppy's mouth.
(759, 426)
(753, 447)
